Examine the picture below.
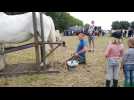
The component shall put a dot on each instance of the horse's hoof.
(42, 64)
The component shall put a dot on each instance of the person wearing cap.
(82, 47)
(128, 64)
(113, 54)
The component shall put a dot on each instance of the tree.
(86, 27)
(63, 20)
(132, 25)
(116, 25)
(124, 25)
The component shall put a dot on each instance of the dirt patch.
(27, 69)
(90, 75)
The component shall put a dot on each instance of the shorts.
(91, 38)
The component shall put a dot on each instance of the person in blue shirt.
(82, 48)
(80, 54)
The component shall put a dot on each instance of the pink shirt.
(114, 51)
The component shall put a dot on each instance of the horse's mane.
(2, 13)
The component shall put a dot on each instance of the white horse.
(19, 28)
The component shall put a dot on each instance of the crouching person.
(79, 57)
(128, 64)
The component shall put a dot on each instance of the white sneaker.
(94, 50)
(42, 64)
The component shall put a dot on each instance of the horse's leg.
(52, 46)
(47, 49)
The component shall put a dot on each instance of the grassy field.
(90, 75)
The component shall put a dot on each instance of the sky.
(103, 19)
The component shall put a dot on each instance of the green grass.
(90, 75)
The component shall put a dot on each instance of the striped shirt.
(128, 57)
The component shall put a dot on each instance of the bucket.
(72, 64)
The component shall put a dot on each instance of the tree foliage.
(120, 25)
(64, 20)
(116, 25)
(124, 25)
(132, 25)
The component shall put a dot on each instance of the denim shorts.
(91, 38)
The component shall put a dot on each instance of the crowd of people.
(127, 33)
(115, 56)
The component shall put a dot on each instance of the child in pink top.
(113, 54)
(114, 50)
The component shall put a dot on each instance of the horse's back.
(11, 26)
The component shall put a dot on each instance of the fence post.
(36, 38)
(42, 38)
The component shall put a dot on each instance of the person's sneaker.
(93, 50)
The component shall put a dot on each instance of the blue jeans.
(129, 75)
(82, 60)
